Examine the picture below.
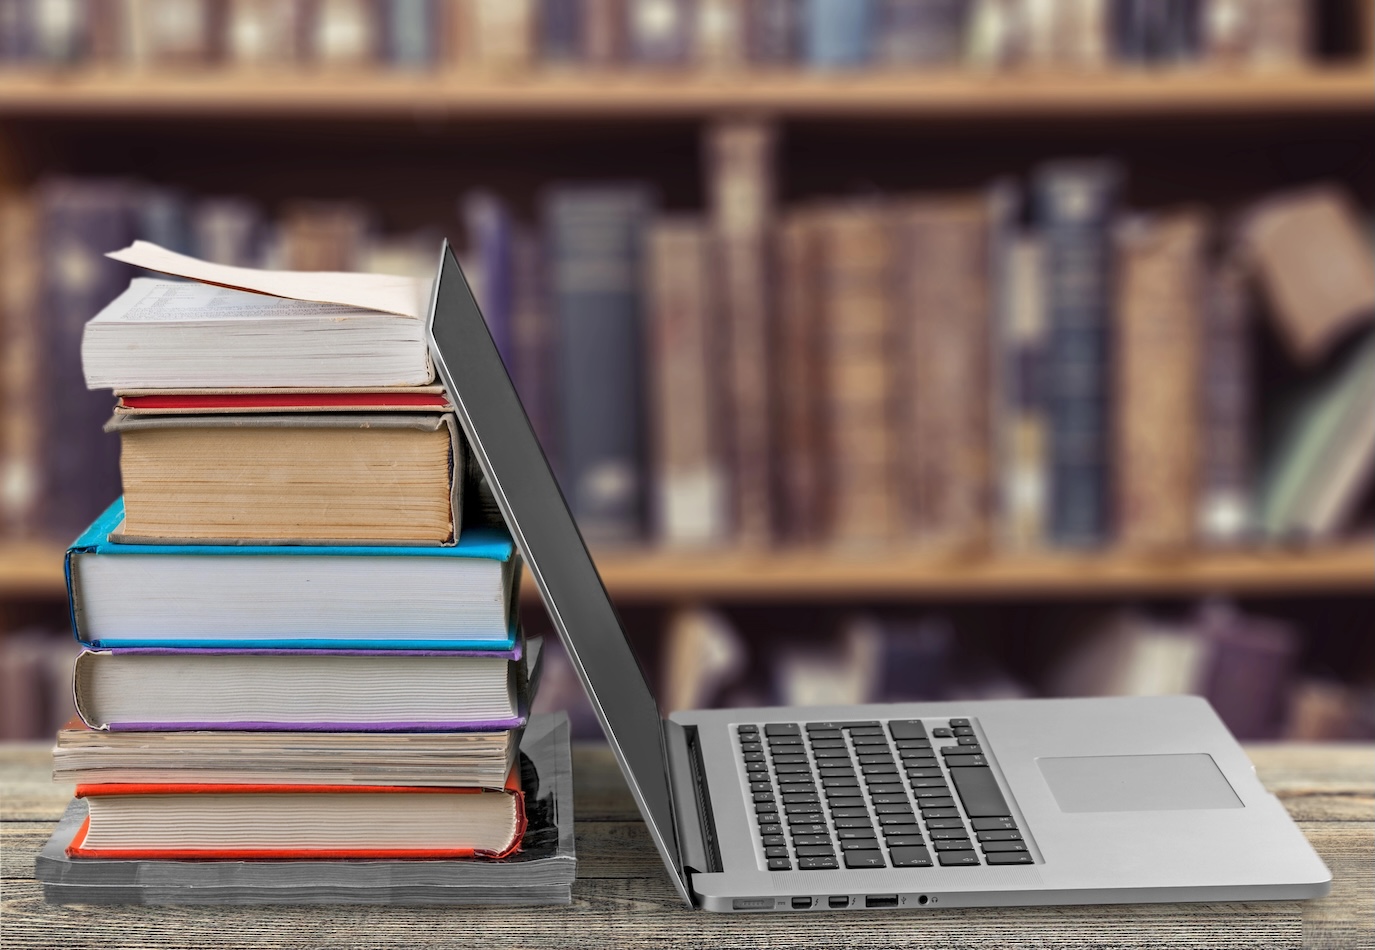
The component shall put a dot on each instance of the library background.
(885, 349)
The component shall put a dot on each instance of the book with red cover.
(248, 822)
(199, 402)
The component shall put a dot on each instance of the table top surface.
(623, 897)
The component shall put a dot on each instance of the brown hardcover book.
(378, 477)
(501, 35)
(689, 472)
(1225, 393)
(323, 237)
(720, 35)
(1159, 315)
(942, 370)
(21, 366)
(603, 32)
(740, 159)
(858, 338)
(800, 391)
(1314, 262)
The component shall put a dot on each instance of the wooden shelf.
(636, 94)
(35, 570)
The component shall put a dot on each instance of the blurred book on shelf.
(511, 36)
(36, 682)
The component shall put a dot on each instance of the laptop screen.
(499, 434)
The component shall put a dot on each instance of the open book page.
(149, 300)
(388, 293)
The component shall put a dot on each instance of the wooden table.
(623, 898)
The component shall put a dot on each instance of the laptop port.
(837, 902)
(881, 900)
(802, 903)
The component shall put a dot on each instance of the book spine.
(659, 32)
(560, 31)
(343, 33)
(942, 390)
(690, 480)
(1024, 441)
(1225, 465)
(740, 163)
(410, 33)
(1156, 401)
(503, 34)
(15, 31)
(858, 338)
(263, 32)
(839, 33)
(800, 394)
(80, 221)
(720, 40)
(603, 32)
(489, 248)
(921, 33)
(1075, 204)
(771, 32)
(22, 373)
(595, 242)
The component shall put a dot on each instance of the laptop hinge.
(691, 804)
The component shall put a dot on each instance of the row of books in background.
(298, 646)
(1023, 366)
(709, 35)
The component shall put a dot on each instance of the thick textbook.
(245, 822)
(306, 690)
(460, 596)
(541, 872)
(292, 477)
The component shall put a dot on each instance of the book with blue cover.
(306, 597)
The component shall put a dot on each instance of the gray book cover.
(542, 872)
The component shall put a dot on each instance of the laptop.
(907, 806)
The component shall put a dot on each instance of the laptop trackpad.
(1137, 783)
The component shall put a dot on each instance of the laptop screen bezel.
(495, 423)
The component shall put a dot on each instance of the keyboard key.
(861, 821)
(763, 797)
(792, 798)
(746, 727)
(962, 731)
(962, 762)
(907, 819)
(940, 733)
(754, 757)
(910, 857)
(928, 803)
(993, 824)
(845, 803)
(858, 844)
(839, 781)
(780, 864)
(802, 808)
(769, 829)
(811, 839)
(907, 729)
(944, 823)
(866, 724)
(879, 757)
(1010, 857)
(952, 844)
(837, 753)
(897, 808)
(957, 723)
(913, 745)
(796, 782)
(762, 808)
(966, 740)
(1010, 835)
(779, 852)
(934, 792)
(815, 851)
(885, 769)
(979, 792)
(772, 841)
(905, 841)
(990, 847)
(865, 830)
(820, 863)
(789, 759)
(923, 773)
(751, 747)
(947, 834)
(935, 782)
(955, 859)
(792, 768)
(888, 799)
(907, 755)
(782, 729)
(836, 743)
(761, 786)
(884, 788)
(807, 828)
(785, 743)
(862, 739)
(850, 812)
(825, 726)
(941, 813)
(865, 859)
(756, 768)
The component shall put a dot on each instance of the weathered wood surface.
(623, 899)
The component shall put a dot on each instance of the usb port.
(837, 902)
(881, 900)
(802, 903)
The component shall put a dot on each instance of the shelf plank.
(629, 94)
(34, 570)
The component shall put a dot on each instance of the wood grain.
(623, 898)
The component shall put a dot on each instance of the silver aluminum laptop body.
(1116, 800)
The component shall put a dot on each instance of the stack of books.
(302, 660)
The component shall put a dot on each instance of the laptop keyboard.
(831, 795)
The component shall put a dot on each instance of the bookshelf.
(634, 95)
(34, 570)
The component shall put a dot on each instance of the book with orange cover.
(247, 822)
